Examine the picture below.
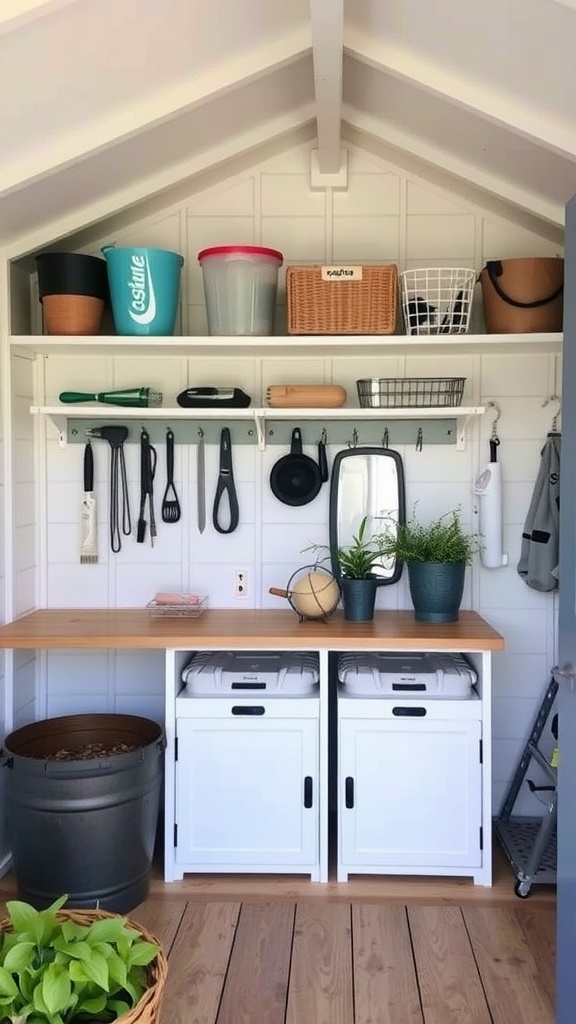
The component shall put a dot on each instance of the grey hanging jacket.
(538, 565)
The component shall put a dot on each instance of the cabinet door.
(247, 792)
(410, 793)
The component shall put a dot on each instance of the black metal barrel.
(84, 826)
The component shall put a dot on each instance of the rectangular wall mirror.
(366, 482)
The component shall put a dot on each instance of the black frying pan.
(295, 479)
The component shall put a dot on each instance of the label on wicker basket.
(339, 273)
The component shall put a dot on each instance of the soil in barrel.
(87, 752)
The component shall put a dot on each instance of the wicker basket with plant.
(69, 966)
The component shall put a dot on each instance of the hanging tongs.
(148, 456)
(116, 436)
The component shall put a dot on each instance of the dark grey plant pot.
(358, 598)
(436, 590)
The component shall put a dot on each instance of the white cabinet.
(409, 787)
(246, 786)
(247, 777)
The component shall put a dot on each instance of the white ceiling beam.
(232, 149)
(14, 13)
(327, 23)
(435, 156)
(93, 137)
(554, 133)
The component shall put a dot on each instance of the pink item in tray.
(177, 599)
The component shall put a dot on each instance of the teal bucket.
(144, 289)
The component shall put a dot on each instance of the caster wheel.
(522, 890)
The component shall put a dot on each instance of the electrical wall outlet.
(240, 583)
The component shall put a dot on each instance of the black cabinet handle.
(308, 791)
(409, 712)
(249, 709)
(349, 791)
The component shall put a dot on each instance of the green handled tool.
(138, 398)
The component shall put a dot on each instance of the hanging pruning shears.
(148, 457)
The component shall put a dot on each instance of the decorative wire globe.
(313, 592)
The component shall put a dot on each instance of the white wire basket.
(437, 300)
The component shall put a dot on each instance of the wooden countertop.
(223, 629)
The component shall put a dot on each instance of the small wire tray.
(409, 392)
(177, 611)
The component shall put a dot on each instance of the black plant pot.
(72, 273)
(436, 590)
(358, 598)
(73, 289)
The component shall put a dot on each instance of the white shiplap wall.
(385, 215)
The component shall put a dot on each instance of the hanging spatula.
(170, 503)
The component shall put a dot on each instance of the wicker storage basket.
(342, 300)
(147, 1009)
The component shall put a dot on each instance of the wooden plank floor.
(322, 962)
(266, 950)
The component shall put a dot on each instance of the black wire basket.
(410, 392)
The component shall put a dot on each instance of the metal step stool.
(530, 842)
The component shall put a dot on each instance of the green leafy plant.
(358, 560)
(55, 971)
(442, 540)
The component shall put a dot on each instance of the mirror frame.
(340, 456)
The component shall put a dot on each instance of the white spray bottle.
(488, 487)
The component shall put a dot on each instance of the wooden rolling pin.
(305, 396)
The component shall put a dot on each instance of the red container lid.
(248, 250)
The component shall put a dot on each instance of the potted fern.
(64, 966)
(436, 554)
(354, 567)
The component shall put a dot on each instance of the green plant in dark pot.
(67, 967)
(436, 554)
(358, 582)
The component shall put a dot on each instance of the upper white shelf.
(262, 347)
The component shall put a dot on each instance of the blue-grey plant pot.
(436, 590)
(358, 598)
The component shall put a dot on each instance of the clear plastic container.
(240, 286)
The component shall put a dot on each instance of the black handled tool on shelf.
(116, 436)
(148, 457)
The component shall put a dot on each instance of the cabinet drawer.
(247, 707)
(391, 708)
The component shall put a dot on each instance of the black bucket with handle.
(83, 796)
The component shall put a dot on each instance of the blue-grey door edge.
(566, 863)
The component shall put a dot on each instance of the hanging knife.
(201, 483)
(88, 532)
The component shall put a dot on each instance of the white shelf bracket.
(61, 425)
(461, 427)
(260, 424)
